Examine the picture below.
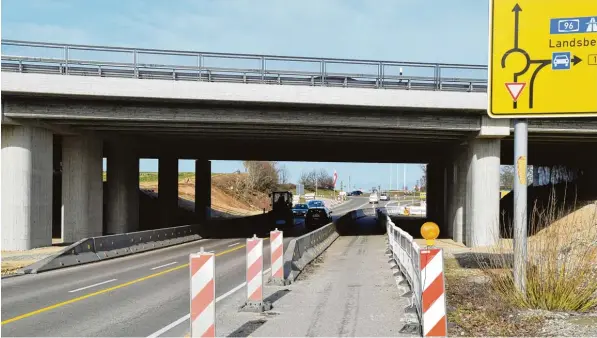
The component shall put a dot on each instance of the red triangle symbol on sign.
(515, 88)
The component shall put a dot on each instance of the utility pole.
(390, 188)
(404, 177)
(349, 183)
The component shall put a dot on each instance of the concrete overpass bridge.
(77, 104)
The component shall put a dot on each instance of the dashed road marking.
(161, 266)
(93, 285)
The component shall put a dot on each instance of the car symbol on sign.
(561, 60)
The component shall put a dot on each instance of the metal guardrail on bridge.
(103, 61)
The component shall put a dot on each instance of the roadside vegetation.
(240, 193)
(561, 279)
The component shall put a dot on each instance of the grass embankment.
(561, 279)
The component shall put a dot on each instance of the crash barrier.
(423, 270)
(302, 250)
(203, 294)
(98, 248)
(418, 211)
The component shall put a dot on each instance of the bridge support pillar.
(122, 210)
(202, 189)
(474, 187)
(168, 190)
(436, 195)
(26, 187)
(82, 188)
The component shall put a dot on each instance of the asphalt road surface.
(139, 295)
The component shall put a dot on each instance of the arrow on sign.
(516, 11)
(515, 88)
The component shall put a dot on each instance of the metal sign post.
(542, 63)
(520, 203)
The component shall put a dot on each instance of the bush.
(561, 261)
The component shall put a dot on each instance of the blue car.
(318, 204)
(300, 210)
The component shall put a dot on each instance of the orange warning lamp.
(430, 231)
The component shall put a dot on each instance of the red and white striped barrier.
(255, 269)
(433, 303)
(255, 276)
(203, 294)
(277, 253)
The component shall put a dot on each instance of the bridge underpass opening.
(250, 182)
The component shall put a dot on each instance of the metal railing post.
(380, 74)
(200, 66)
(322, 72)
(66, 60)
(262, 69)
(135, 68)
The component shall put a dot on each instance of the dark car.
(300, 210)
(317, 217)
(355, 193)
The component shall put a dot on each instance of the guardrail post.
(255, 301)
(203, 294)
(277, 257)
(433, 300)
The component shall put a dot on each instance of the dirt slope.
(222, 192)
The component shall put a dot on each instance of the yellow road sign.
(542, 58)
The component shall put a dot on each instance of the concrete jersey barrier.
(94, 249)
(303, 250)
(98, 248)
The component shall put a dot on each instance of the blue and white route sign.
(560, 61)
(582, 25)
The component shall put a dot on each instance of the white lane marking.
(188, 316)
(236, 288)
(169, 326)
(233, 244)
(90, 286)
(161, 266)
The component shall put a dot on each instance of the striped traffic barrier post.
(203, 294)
(255, 301)
(277, 257)
(433, 302)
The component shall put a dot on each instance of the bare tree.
(506, 177)
(283, 174)
(262, 175)
(423, 180)
(308, 179)
(325, 180)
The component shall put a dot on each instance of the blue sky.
(400, 30)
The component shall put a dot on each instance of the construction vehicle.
(281, 215)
